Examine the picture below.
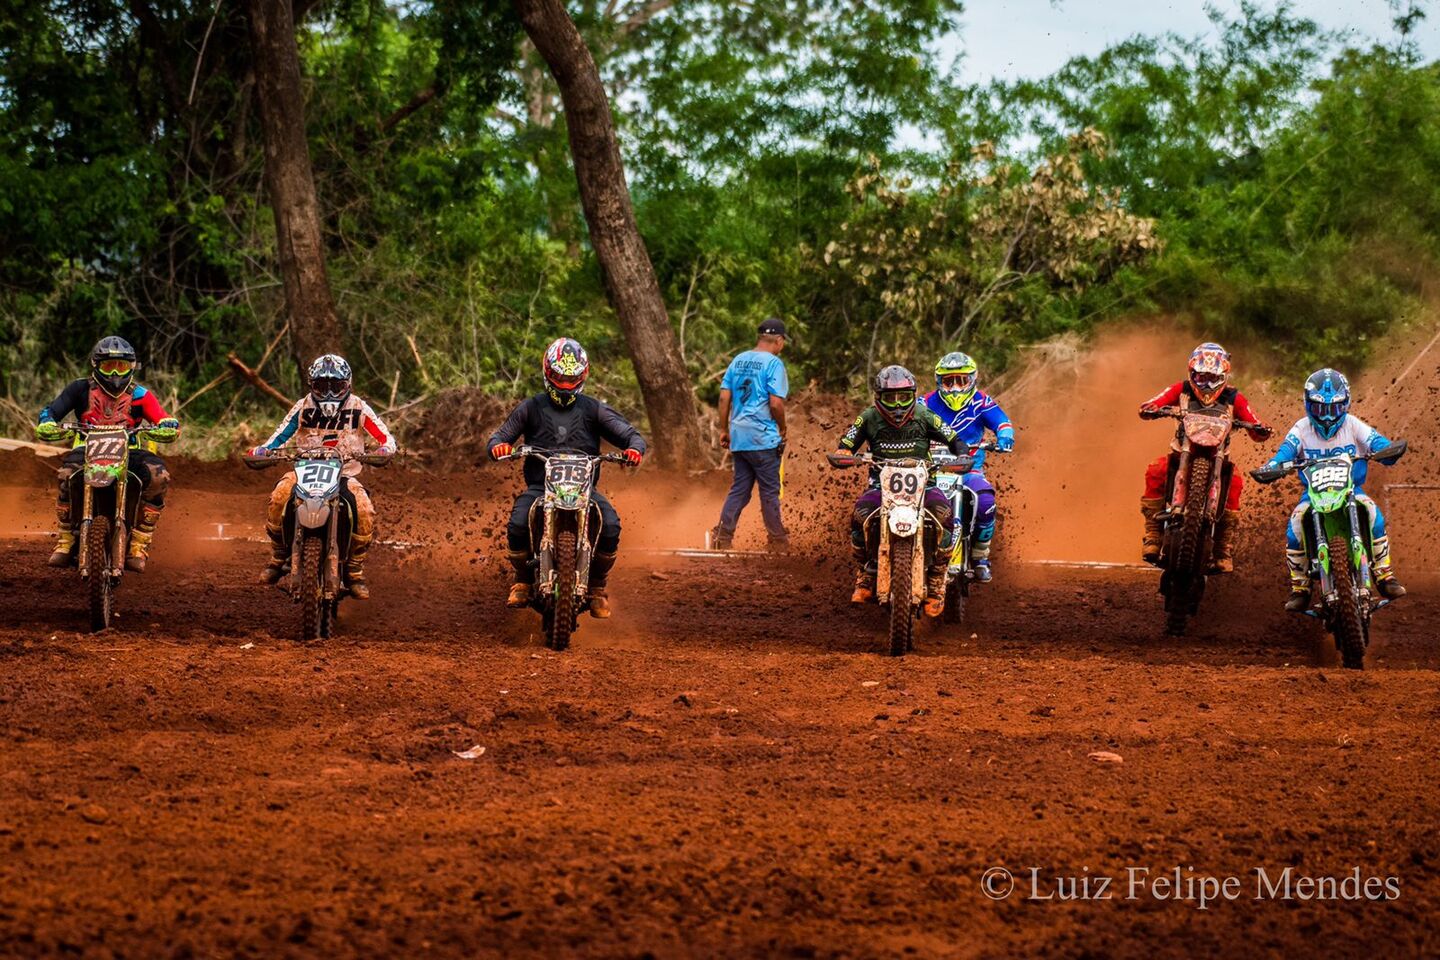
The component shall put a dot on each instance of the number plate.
(106, 447)
(1330, 476)
(567, 472)
(317, 479)
(902, 485)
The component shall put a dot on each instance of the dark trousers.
(755, 468)
(517, 533)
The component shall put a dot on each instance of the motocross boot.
(1227, 528)
(600, 566)
(864, 586)
(934, 593)
(279, 557)
(1299, 600)
(1154, 529)
(522, 590)
(1385, 582)
(980, 555)
(355, 567)
(64, 554)
(140, 538)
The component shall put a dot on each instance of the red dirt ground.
(728, 768)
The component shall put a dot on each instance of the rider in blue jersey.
(970, 412)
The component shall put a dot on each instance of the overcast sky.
(1010, 39)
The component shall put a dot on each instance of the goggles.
(897, 399)
(329, 386)
(1326, 412)
(115, 368)
(956, 381)
(1207, 381)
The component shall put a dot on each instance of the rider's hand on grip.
(501, 450)
(1150, 412)
(50, 432)
(633, 457)
(166, 431)
(258, 452)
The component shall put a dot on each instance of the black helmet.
(895, 395)
(113, 365)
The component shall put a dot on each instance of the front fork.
(1359, 556)
(545, 556)
(117, 531)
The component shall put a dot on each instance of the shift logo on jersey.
(312, 418)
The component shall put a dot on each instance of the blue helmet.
(1327, 401)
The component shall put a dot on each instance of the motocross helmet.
(330, 381)
(566, 368)
(1327, 401)
(895, 395)
(956, 378)
(113, 365)
(1209, 371)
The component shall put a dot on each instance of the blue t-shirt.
(753, 378)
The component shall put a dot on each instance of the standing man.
(752, 406)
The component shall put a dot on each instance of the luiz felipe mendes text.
(1185, 885)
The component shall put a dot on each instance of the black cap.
(773, 327)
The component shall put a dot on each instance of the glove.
(385, 450)
(1150, 412)
(1005, 442)
(261, 451)
(501, 450)
(166, 431)
(1262, 432)
(634, 456)
(50, 432)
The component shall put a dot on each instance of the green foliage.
(807, 158)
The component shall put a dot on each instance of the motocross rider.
(970, 412)
(563, 418)
(1328, 429)
(332, 417)
(110, 395)
(897, 427)
(1206, 384)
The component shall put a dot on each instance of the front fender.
(903, 520)
(312, 514)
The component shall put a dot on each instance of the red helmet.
(894, 389)
(1209, 371)
(566, 366)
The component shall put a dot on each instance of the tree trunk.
(290, 181)
(629, 276)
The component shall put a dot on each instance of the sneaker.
(1299, 601)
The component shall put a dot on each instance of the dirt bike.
(109, 495)
(318, 523)
(960, 574)
(1197, 496)
(1338, 544)
(896, 537)
(564, 528)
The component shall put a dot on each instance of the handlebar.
(963, 463)
(1270, 474)
(276, 457)
(1179, 413)
(520, 453)
(75, 426)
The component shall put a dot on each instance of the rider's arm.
(513, 428)
(1165, 398)
(1375, 441)
(1288, 452)
(619, 431)
(287, 427)
(857, 435)
(72, 398)
(375, 428)
(937, 431)
(1244, 412)
(995, 419)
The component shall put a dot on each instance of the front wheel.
(902, 607)
(562, 618)
(1187, 569)
(313, 623)
(102, 585)
(954, 600)
(1346, 620)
